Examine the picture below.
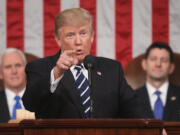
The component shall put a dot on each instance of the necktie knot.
(17, 98)
(78, 69)
(158, 93)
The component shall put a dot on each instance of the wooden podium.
(91, 127)
(10, 129)
(172, 128)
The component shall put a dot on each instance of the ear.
(172, 67)
(143, 64)
(92, 37)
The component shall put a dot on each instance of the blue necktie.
(83, 87)
(158, 106)
(17, 105)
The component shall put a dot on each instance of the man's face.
(158, 65)
(12, 71)
(75, 38)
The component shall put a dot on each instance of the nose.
(78, 40)
(14, 70)
(158, 62)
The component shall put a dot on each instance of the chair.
(136, 76)
(29, 57)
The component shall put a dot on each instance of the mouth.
(14, 78)
(79, 52)
(157, 71)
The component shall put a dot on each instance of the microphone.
(89, 63)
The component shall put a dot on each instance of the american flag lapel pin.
(99, 73)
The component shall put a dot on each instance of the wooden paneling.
(172, 128)
(10, 129)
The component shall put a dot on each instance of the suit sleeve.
(37, 97)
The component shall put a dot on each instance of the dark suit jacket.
(112, 96)
(4, 111)
(171, 109)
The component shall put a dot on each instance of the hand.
(65, 61)
(164, 132)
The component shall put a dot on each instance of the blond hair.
(73, 16)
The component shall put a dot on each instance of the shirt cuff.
(54, 83)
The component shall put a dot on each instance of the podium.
(91, 127)
(10, 129)
(172, 128)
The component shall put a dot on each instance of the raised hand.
(65, 61)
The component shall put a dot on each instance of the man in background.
(159, 98)
(12, 72)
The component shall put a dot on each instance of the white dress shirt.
(153, 97)
(54, 83)
(10, 99)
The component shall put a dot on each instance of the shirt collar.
(163, 89)
(72, 67)
(10, 94)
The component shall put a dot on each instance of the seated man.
(159, 98)
(12, 71)
(57, 85)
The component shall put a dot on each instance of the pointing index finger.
(70, 52)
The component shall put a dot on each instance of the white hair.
(13, 50)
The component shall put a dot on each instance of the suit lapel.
(4, 113)
(146, 103)
(69, 85)
(170, 102)
(97, 76)
(97, 87)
